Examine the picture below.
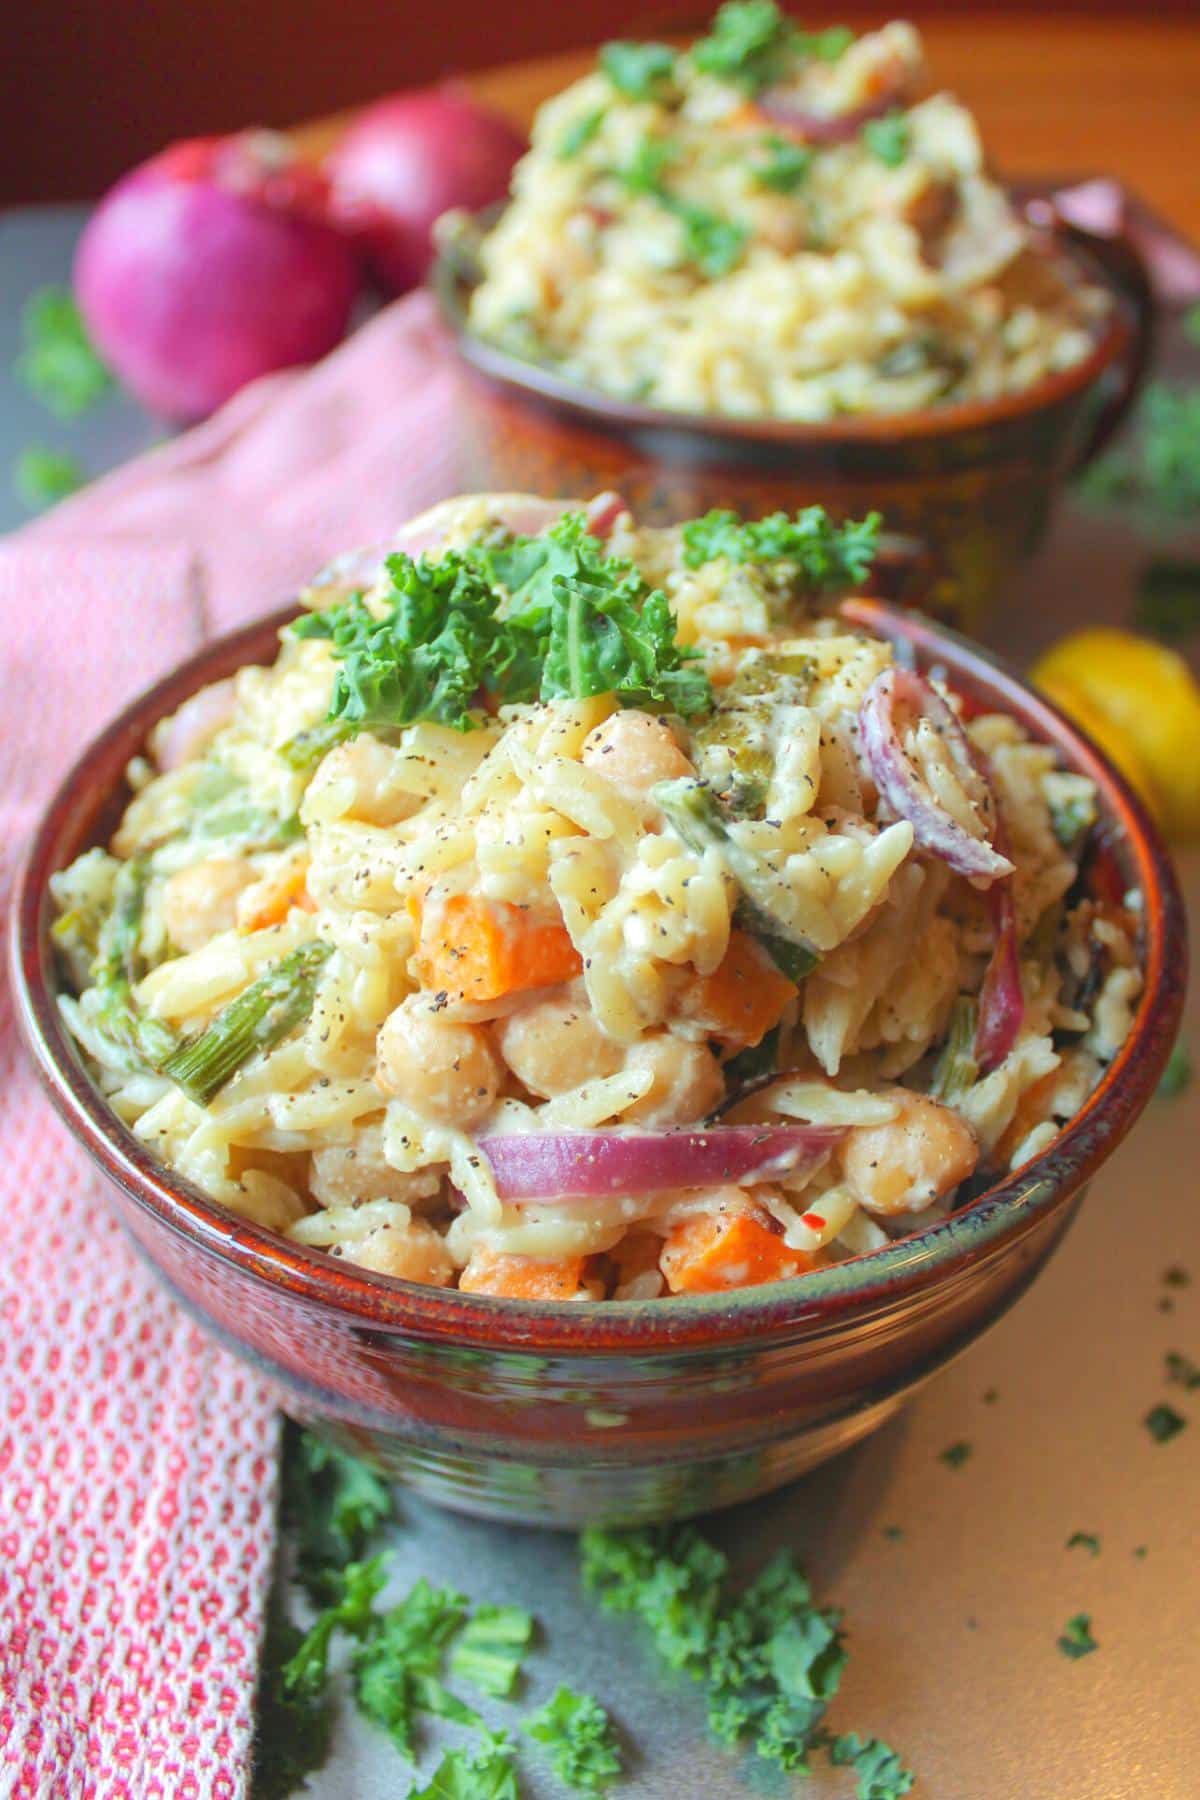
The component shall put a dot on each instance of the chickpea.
(906, 1164)
(444, 1071)
(687, 1083)
(361, 779)
(556, 1043)
(343, 1174)
(201, 900)
(412, 1253)
(634, 751)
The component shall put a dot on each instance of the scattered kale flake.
(881, 1774)
(1175, 1078)
(483, 1771)
(333, 1504)
(1167, 603)
(894, 1532)
(752, 44)
(1084, 1540)
(43, 477)
(491, 1647)
(1182, 1370)
(1077, 1639)
(292, 1728)
(1163, 1423)
(955, 1455)
(1176, 1277)
(579, 133)
(786, 166)
(58, 362)
(577, 1735)
(639, 71)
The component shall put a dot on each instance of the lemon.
(1140, 703)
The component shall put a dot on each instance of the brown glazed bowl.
(626, 1411)
(969, 485)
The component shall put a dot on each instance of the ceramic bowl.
(969, 487)
(627, 1411)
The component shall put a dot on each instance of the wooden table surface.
(1053, 95)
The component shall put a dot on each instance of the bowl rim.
(1007, 1210)
(548, 388)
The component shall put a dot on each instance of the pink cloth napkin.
(137, 1460)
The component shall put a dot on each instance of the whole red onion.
(209, 265)
(407, 160)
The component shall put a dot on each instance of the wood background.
(87, 91)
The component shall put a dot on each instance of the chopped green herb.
(894, 1532)
(43, 477)
(484, 1771)
(292, 1728)
(397, 1670)
(356, 1586)
(1084, 1540)
(258, 1019)
(333, 1504)
(639, 71)
(889, 139)
(1176, 1076)
(58, 362)
(579, 133)
(828, 556)
(1182, 1370)
(1163, 1423)
(1077, 1639)
(770, 1659)
(491, 1646)
(753, 44)
(643, 173)
(578, 1734)
(955, 1455)
(787, 166)
(425, 656)
(1167, 602)
(1139, 1550)
(881, 1774)
(713, 243)
(1176, 1277)
(575, 622)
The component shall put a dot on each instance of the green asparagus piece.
(956, 1069)
(693, 811)
(304, 751)
(258, 1019)
(118, 964)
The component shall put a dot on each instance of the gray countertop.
(953, 1624)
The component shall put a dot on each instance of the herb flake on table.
(577, 1735)
(491, 1647)
(1163, 1423)
(397, 1670)
(1084, 1540)
(1176, 1077)
(483, 1771)
(881, 1774)
(1182, 1370)
(1167, 600)
(769, 1658)
(333, 1504)
(292, 1729)
(44, 477)
(1176, 1277)
(58, 362)
(1077, 1639)
(955, 1455)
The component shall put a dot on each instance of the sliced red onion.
(583, 1165)
(903, 789)
(1001, 1001)
(782, 108)
(603, 513)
